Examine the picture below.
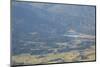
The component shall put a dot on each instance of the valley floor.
(71, 56)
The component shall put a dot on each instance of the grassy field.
(71, 56)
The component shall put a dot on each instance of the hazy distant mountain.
(32, 18)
